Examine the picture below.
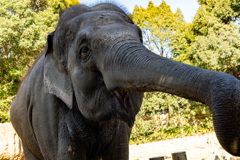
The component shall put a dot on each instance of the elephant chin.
(122, 98)
(127, 112)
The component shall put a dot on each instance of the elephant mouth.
(124, 101)
(122, 98)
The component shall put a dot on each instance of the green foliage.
(216, 39)
(158, 24)
(5, 109)
(165, 116)
(24, 26)
(58, 6)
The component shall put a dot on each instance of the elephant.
(81, 97)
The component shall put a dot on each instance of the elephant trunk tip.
(235, 147)
(231, 145)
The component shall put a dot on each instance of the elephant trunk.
(131, 67)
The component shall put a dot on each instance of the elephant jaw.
(121, 96)
(123, 99)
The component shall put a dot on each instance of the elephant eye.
(84, 50)
(85, 54)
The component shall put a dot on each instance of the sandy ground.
(203, 147)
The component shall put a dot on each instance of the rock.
(217, 158)
(10, 143)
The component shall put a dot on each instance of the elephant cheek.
(94, 106)
(77, 83)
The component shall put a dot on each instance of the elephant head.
(96, 57)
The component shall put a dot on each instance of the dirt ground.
(203, 147)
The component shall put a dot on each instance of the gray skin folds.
(80, 99)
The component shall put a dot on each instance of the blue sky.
(188, 7)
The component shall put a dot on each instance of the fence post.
(156, 158)
(179, 156)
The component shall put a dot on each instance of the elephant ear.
(56, 78)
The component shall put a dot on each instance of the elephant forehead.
(99, 18)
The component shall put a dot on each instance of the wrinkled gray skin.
(81, 98)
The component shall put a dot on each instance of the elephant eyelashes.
(85, 54)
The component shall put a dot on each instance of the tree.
(159, 25)
(24, 26)
(216, 42)
(58, 6)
